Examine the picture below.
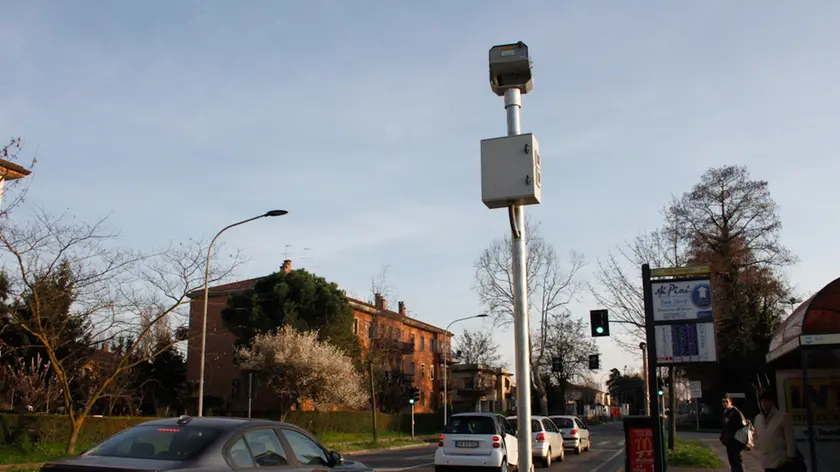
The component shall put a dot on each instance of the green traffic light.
(661, 392)
(599, 330)
(411, 401)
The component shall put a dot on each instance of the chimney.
(287, 266)
(380, 302)
(402, 308)
(105, 348)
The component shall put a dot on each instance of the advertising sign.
(696, 389)
(685, 343)
(682, 300)
(825, 400)
(640, 450)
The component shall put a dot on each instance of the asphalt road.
(607, 455)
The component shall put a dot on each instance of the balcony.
(392, 346)
(476, 390)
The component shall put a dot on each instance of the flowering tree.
(297, 366)
(31, 382)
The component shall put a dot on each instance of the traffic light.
(594, 362)
(600, 323)
(661, 387)
(415, 395)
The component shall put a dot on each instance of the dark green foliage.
(628, 389)
(298, 299)
(55, 428)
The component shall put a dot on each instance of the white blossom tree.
(299, 367)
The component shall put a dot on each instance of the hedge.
(56, 428)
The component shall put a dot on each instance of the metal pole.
(697, 412)
(643, 346)
(412, 421)
(672, 418)
(250, 393)
(446, 366)
(522, 333)
(206, 300)
(650, 331)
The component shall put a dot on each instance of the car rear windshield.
(563, 423)
(166, 443)
(471, 425)
(535, 425)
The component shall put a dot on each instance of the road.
(606, 455)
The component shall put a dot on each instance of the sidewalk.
(751, 462)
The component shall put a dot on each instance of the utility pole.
(672, 418)
(643, 347)
(511, 178)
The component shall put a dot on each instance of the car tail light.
(573, 432)
(440, 442)
(540, 437)
(496, 443)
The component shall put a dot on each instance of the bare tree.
(478, 347)
(618, 286)
(66, 274)
(569, 343)
(551, 287)
(298, 367)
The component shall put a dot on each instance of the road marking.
(419, 457)
(609, 459)
(397, 469)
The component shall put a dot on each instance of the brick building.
(414, 347)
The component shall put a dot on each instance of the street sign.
(682, 300)
(696, 389)
(686, 343)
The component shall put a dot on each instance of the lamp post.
(446, 367)
(206, 299)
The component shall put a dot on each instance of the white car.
(484, 440)
(548, 441)
(575, 432)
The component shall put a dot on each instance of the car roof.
(533, 417)
(215, 422)
(571, 417)
(477, 413)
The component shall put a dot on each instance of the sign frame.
(691, 298)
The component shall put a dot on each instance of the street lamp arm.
(207, 297)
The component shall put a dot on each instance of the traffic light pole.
(412, 420)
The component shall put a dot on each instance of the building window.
(422, 343)
(390, 332)
(412, 340)
(399, 338)
(411, 369)
(370, 330)
(422, 371)
(356, 326)
(432, 371)
(422, 398)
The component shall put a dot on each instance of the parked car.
(548, 441)
(575, 432)
(206, 444)
(473, 440)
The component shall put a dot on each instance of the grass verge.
(694, 454)
(13, 454)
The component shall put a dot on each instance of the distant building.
(416, 348)
(476, 387)
(10, 171)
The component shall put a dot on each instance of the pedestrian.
(774, 436)
(733, 421)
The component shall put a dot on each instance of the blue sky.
(363, 119)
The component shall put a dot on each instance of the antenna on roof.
(286, 254)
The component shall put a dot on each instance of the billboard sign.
(686, 343)
(682, 300)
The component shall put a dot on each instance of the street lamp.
(446, 367)
(206, 299)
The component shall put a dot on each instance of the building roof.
(10, 171)
(358, 305)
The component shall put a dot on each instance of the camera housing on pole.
(510, 165)
(510, 67)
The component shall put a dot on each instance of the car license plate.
(470, 444)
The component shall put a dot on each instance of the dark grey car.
(207, 444)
